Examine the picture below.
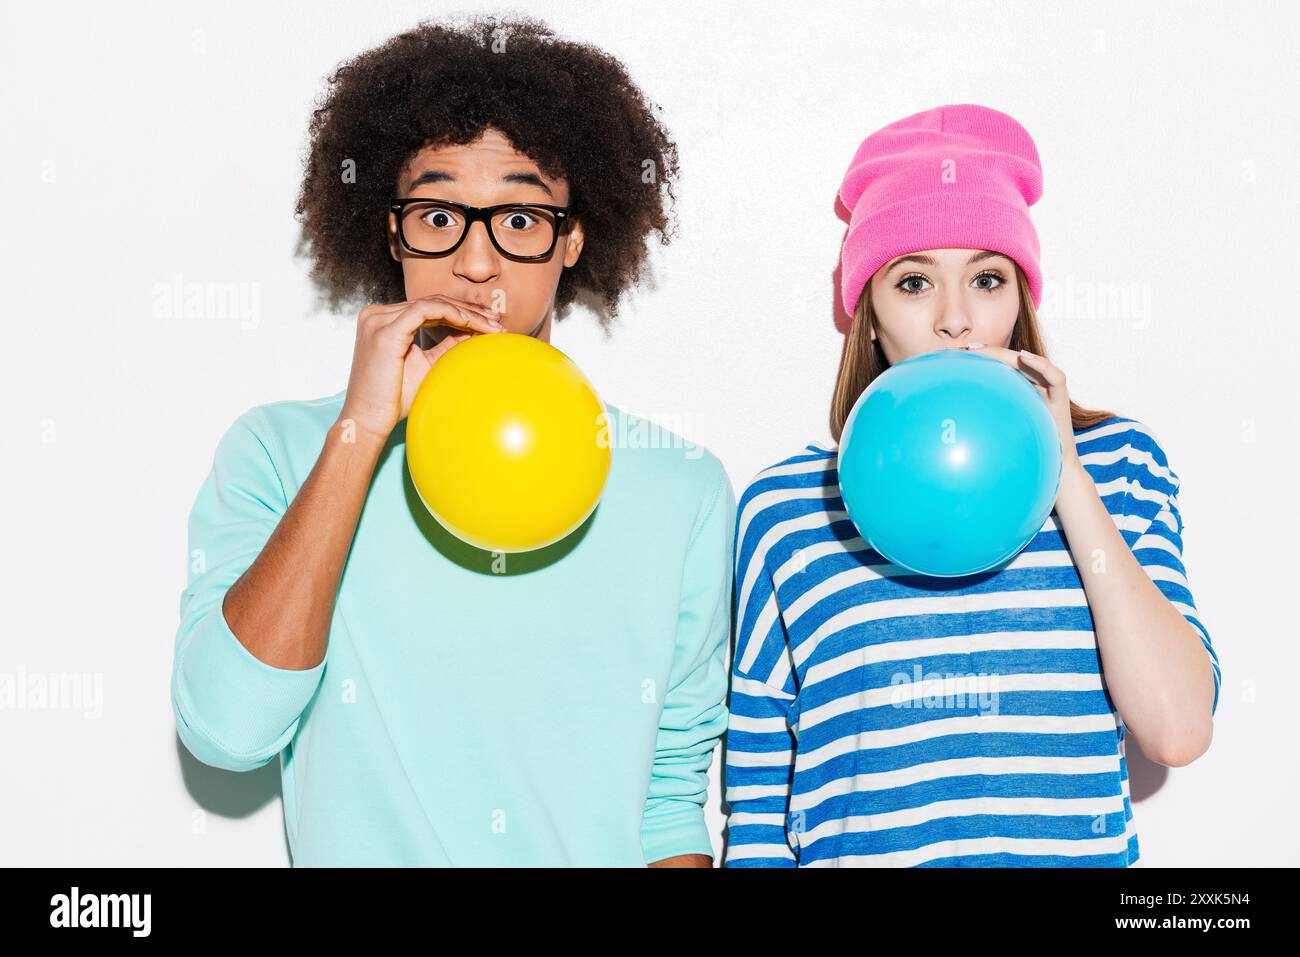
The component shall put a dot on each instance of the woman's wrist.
(1076, 484)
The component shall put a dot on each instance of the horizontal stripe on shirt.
(879, 717)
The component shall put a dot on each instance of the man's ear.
(573, 244)
(393, 246)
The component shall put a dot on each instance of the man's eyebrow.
(527, 179)
(929, 260)
(440, 176)
(431, 176)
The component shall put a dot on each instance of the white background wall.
(171, 135)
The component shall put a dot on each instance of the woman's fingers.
(1010, 356)
(1046, 378)
(1054, 376)
(1035, 368)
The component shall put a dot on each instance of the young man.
(431, 703)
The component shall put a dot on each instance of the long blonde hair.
(863, 358)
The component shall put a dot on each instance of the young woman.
(862, 731)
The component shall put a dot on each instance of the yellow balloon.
(506, 442)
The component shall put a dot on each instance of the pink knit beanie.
(955, 177)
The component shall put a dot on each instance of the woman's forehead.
(951, 256)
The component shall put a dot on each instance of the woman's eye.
(985, 282)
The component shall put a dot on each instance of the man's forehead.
(525, 177)
(483, 159)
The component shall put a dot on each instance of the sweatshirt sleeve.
(232, 709)
(694, 715)
(1154, 529)
(760, 745)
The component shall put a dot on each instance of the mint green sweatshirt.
(560, 710)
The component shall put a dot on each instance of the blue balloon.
(949, 463)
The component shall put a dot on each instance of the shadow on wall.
(839, 318)
(1145, 777)
(228, 794)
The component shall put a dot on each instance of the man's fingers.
(472, 321)
(448, 341)
(444, 312)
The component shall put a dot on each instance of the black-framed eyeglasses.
(437, 227)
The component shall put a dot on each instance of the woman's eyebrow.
(929, 260)
(914, 258)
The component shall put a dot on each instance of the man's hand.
(387, 368)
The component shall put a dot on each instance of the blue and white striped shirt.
(883, 718)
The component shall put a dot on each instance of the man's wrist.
(350, 431)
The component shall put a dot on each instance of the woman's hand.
(1050, 382)
(387, 368)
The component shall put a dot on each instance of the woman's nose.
(953, 324)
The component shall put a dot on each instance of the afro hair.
(568, 106)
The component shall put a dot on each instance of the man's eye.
(439, 219)
(518, 219)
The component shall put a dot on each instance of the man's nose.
(477, 259)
